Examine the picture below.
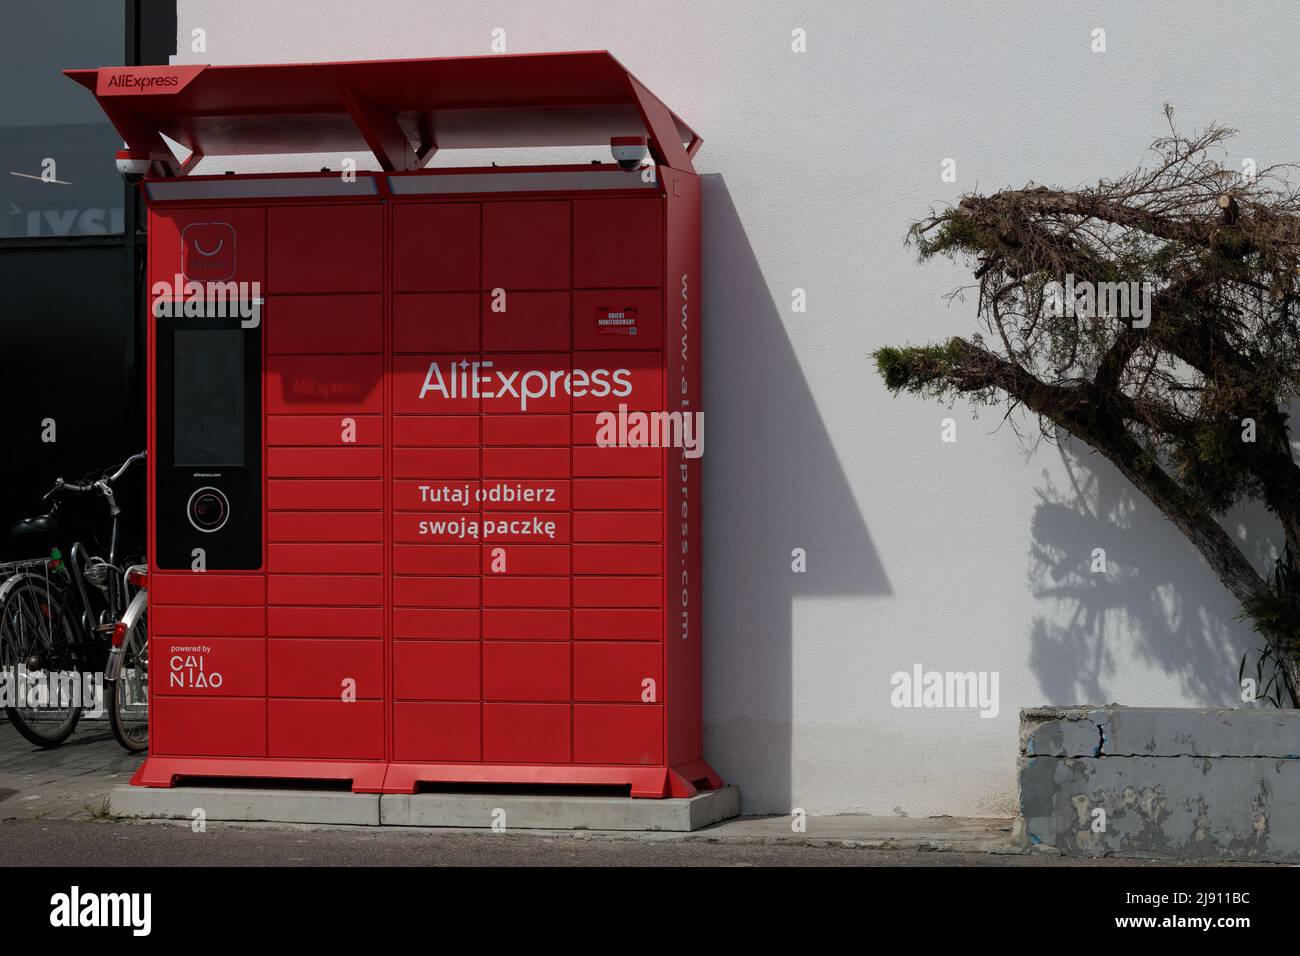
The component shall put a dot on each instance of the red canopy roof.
(401, 110)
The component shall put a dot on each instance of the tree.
(1156, 317)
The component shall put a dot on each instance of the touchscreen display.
(208, 390)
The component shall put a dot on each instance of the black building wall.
(72, 306)
(68, 342)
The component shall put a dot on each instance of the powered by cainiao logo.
(76, 909)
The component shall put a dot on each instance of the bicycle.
(54, 640)
(127, 671)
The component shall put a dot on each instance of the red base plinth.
(685, 780)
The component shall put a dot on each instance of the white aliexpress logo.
(468, 379)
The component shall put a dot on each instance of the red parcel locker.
(396, 540)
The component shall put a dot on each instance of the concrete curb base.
(558, 813)
(462, 810)
(245, 806)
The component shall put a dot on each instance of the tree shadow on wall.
(773, 482)
(1157, 603)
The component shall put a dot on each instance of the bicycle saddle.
(47, 525)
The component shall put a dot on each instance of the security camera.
(132, 168)
(629, 151)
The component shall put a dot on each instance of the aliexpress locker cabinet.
(405, 530)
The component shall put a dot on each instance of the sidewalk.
(64, 791)
(73, 782)
(68, 783)
(862, 831)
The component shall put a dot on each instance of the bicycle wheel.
(42, 684)
(128, 696)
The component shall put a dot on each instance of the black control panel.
(208, 416)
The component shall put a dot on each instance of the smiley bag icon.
(208, 251)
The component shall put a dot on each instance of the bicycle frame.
(88, 635)
(88, 653)
(136, 608)
(78, 555)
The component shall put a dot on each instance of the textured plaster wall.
(969, 556)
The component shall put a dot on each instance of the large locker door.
(325, 469)
(437, 472)
(618, 519)
(527, 469)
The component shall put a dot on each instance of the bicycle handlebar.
(138, 456)
(99, 484)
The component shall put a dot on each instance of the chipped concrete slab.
(1163, 782)
(1159, 732)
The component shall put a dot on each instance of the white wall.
(966, 556)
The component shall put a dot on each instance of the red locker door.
(436, 247)
(525, 245)
(617, 242)
(618, 733)
(284, 495)
(446, 322)
(329, 729)
(329, 248)
(190, 588)
(325, 669)
(526, 733)
(624, 672)
(208, 666)
(437, 731)
(525, 321)
(208, 727)
(529, 671)
(436, 670)
(343, 324)
(207, 245)
(617, 319)
(317, 384)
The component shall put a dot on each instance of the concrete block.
(1062, 731)
(547, 812)
(1159, 732)
(245, 806)
(1179, 783)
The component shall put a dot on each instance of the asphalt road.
(103, 843)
